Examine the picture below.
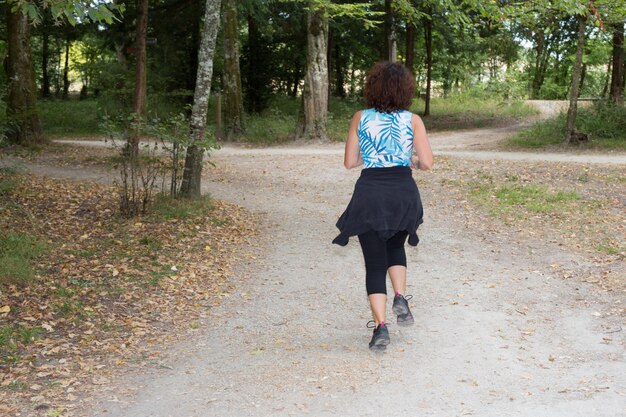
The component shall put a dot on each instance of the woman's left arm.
(352, 155)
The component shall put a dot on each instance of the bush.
(604, 122)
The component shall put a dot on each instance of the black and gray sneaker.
(402, 310)
(380, 338)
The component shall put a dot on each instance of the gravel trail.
(496, 334)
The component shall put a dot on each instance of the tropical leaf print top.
(385, 139)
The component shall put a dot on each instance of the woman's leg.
(375, 255)
(396, 262)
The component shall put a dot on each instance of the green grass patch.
(605, 124)
(7, 186)
(18, 251)
(531, 198)
(16, 336)
(70, 117)
(167, 208)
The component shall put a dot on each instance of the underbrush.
(277, 124)
(605, 124)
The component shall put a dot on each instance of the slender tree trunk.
(617, 76)
(24, 125)
(330, 59)
(313, 120)
(428, 27)
(391, 37)
(139, 97)
(340, 79)
(66, 69)
(233, 100)
(576, 75)
(192, 173)
(297, 75)
(607, 79)
(409, 61)
(45, 57)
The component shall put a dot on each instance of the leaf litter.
(109, 292)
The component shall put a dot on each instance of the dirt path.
(496, 333)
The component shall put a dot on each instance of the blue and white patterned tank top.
(385, 139)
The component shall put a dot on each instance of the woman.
(385, 208)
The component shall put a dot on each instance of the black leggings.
(379, 255)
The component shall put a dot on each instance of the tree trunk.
(233, 100)
(66, 69)
(330, 47)
(139, 97)
(45, 57)
(340, 79)
(312, 124)
(391, 37)
(409, 61)
(428, 28)
(576, 75)
(617, 59)
(297, 74)
(192, 173)
(24, 125)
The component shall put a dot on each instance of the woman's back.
(385, 139)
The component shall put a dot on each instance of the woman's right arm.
(352, 155)
(421, 146)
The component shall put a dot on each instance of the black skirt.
(385, 200)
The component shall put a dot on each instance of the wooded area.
(156, 58)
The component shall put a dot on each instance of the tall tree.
(428, 39)
(312, 124)
(576, 76)
(140, 94)
(192, 173)
(231, 85)
(618, 65)
(24, 125)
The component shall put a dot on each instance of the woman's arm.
(421, 146)
(352, 156)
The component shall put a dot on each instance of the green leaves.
(72, 11)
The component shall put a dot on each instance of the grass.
(603, 122)
(18, 251)
(168, 208)
(277, 124)
(70, 117)
(532, 198)
(14, 336)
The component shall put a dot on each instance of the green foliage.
(605, 123)
(69, 117)
(169, 208)
(74, 12)
(16, 336)
(18, 253)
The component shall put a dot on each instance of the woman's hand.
(414, 162)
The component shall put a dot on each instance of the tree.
(576, 75)
(24, 125)
(192, 173)
(231, 78)
(315, 94)
(140, 94)
(618, 65)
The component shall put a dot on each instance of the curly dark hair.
(389, 87)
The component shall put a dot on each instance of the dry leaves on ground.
(109, 292)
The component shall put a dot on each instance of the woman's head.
(389, 87)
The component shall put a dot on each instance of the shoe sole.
(380, 344)
(399, 309)
(406, 321)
